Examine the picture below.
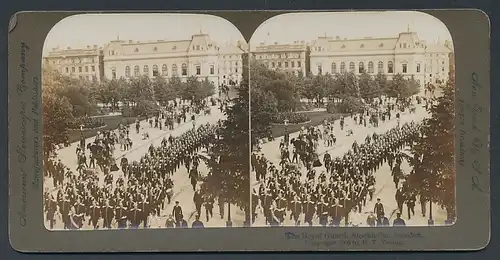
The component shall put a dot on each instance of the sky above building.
(288, 28)
(79, 31)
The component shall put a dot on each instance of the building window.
(198, 70)
(342, 68)
(137, 71)
(293, 64)
(164, 70)
(127, 71)
(279, 64)
(404, 45)
(286, 64)
(184, 69)
(334, 67)
(352, 67)
(80, 69)
(174, 70)
(94, 78)
(145, 70)
(155, 70)
(67, 70)
(343, 46)
(442, 69)
(113, 73)
(136, 50)
(362, 46)
(380, 67)
(93, 68)
(299, 64)
(418, 67)
(86, 68)
(361, 68)
(197, 47)
(320, 69)
(390, 67)
(370, 67)
(81, 77)
(87, 77)
(212, 69)
(273, 64)
(73, 69)
(405, 68)
(236, 70)
(155, 49)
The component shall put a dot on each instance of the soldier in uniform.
(94, 214)
(309, 210)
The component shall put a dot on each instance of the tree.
(276, 83)
(162, 91)
(141, 88)
(317, 87)
(78, 95)
(436, 146)
(230, 167)
(368, 88)
(346, 85)
(396, 86)
(380, 83)
(57, 113)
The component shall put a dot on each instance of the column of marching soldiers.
(346, 182)
(144, 187)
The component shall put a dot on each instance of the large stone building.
(405, 54)
(199, 56)
(84, 63)
(285, 57)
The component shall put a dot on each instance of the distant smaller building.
(84, 63)
(285, 57)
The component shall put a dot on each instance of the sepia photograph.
(352, 120)
(145, 123)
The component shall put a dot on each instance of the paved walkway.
(385, 188)
(183, 191)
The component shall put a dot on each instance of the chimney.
(337, 37)
(95, 46)
(129, 41)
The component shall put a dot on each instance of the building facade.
(284, 57)
(198, 56)
(230, 63)
(405, 54)
(85, 63)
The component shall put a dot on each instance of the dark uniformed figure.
(170, 223)
(209, 206)
(177, 212)
(94, 214)
(398, 221)
(378, 209)
(197, 223)
(121, 215)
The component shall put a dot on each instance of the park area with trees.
(73, 104)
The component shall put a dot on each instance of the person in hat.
(382, 221)
(170, 223)
(371, 220)
(379, 208)
(398, 222)
(197, 223)
(177, 212)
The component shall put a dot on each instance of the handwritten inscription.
(331, 239)
(477, 145)
(29, 128)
